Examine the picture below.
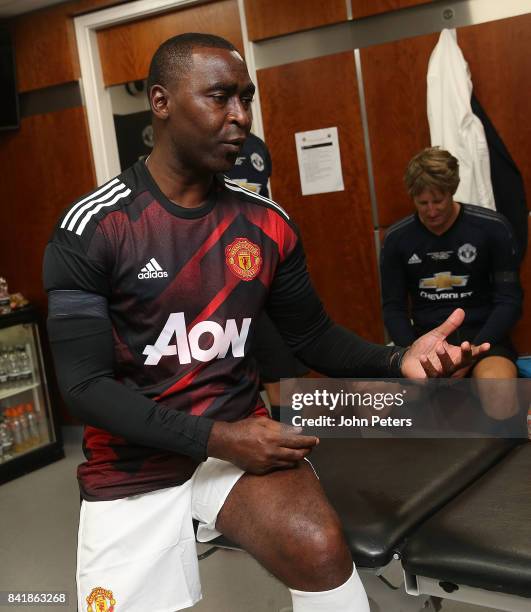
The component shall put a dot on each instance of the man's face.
(435, 209)
(209, 110)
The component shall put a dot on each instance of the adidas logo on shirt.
(414, 259)
(152, 270)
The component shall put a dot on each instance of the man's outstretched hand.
(431, 356)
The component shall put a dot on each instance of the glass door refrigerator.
(29, 433)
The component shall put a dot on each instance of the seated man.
(449, 255)
(155, 282)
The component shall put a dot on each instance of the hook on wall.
(448, 14)
(133, 88)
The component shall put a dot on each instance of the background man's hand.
(258, 444)
(431, 356)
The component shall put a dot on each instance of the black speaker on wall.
(9, 109)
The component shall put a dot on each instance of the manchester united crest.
(243, 258)
(100, 600)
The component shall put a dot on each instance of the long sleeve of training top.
(81, 338)
(506, 289)
(319, 343)
(395, 295)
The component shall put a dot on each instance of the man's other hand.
(430, 356)
(259, 445)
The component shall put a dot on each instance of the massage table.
(452, 515)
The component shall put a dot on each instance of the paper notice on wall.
(319, 161)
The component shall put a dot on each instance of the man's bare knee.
(499, 400)
(326, 546)
(284, 520)
(321, 555)
(495, 367)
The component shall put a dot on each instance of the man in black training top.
(155, 281)
(450, 255)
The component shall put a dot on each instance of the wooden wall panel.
(364, 8)
(45, 45)
(126, 49)
(45, 49)
(268, 18)
(394, 77)
(336, 227)
(45, 166)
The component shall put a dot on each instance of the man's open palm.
(431, 356)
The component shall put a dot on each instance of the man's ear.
(158, 100)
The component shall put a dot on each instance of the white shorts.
(138, 553)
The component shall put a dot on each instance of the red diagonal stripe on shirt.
(275, 227)
(182, 382)
(214, 237)
(217, 300)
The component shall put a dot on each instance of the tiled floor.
(38, 530)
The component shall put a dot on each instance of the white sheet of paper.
(319, 161)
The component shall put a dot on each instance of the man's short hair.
(433, 169)
(174, 56)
